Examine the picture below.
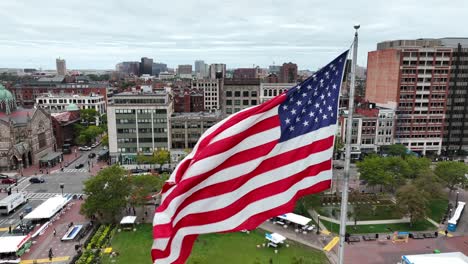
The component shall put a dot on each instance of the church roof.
(7, 101)
(18, 116)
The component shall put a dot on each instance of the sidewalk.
(311, 239)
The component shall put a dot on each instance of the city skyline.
(100, 34)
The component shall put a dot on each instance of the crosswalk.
(45, 196)
(76, 170)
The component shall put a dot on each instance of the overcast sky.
(98, 34)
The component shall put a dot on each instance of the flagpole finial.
(357, 26)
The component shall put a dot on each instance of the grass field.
(437, 208)
(382, 212)
(364, 229)
(134, 247)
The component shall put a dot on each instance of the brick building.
(186, 128)
(245, 73)
(63, 125)
(412, 77)
(26, 93)
(288, 73)
(188, 100)
(239, 94)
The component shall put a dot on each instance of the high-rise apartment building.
(61, 67)
(412, 77)
(128, 67)
(138, 123)
(288, 73)
(146, 66)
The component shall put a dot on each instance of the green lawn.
(134, 247)
(382, 212)
(363, 229)
(437, 208)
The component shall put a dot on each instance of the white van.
(11, 202)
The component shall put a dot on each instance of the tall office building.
(158, 67)
(146, 66)
(412, 76)
(138, 123)
(217, 71)
(456, 124)
(61, 67)
(201, 69)
(185, 71)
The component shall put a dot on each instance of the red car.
(8, 181)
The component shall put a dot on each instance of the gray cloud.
(240, 33)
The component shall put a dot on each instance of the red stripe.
(238, 117)
(164, 231)
(231, 185)
(225, 144)
(186, 248)
(235, 159)
(266, 165)
(240, 204)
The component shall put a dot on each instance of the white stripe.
(160, 244)
(209, 163)
(226, 133)
(241, 169)
(245, 124)
(249, 211)
(217, 202)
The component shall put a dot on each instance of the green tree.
(162, 157)
(412, 202)
(429, 183)
(395, 150)
(143, 186)
(88, 116)
(105, 140)
(452, 172)
(107, 194)
(360, 205)
(417, 166)
(372, 170)
(399, 170)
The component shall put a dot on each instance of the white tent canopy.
(275, 238)
(457, 214)
(128, 220)
(452, 258)
(48, 208)
(11, 244)
(295, 218)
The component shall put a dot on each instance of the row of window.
(141, 130)
(140, 111)
(141, 140)
(273, 92)
(244, 102)
(141, 121)
(244, 93)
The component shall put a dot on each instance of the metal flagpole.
(349, 127)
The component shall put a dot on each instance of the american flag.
(251, 166)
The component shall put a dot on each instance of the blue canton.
(313, 104)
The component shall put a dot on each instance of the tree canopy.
(88, 116)
(452, 172)
(395, 150)
(107, 194)
(412, 201)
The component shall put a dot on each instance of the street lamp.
(62, 185)
(456, 203)
(318, 224)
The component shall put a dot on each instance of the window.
(237, 93)
(245, 102)
(236, 102)
(253, 94)
(245, 93)
(228, 93)
(228, 102)
(41, 137)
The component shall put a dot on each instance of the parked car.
(8, 181)
(92, 155)
(95, 144)
(338, 167)
(84, 148)
(3, 176)
(36, 180)
(79, 166)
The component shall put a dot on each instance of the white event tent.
(48, 208)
